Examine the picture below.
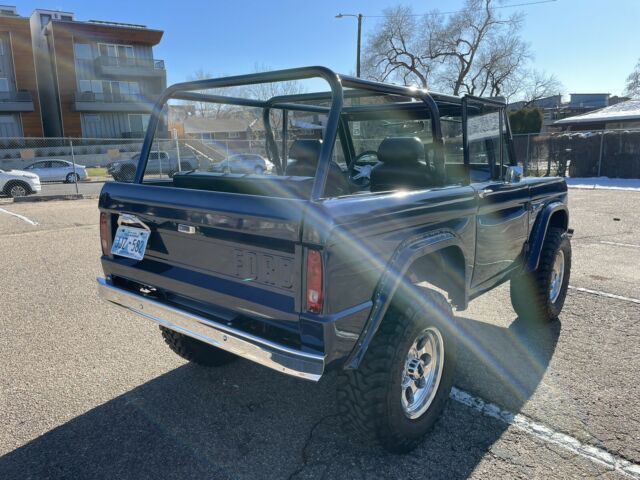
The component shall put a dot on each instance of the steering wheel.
(360, 171)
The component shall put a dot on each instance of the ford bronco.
(386, 207)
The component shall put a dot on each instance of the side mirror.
(514, 174)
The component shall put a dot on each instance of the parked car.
(313, 268)
(18, 183)
(243, 163)
(58, 171)
(160, 163)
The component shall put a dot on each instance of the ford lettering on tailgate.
(263, 268)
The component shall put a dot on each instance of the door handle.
(485, 192)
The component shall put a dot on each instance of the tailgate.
(227, 255)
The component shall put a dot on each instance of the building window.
(138, 122)
(83, 51)
(1, 46)
(125, 51)
(233, 134)
(114, 50)
(7, 119)
(4, 85)
(44, 19)
(94, 86)
(68, 18)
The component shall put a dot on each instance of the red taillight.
(104, 233)
(314, 281)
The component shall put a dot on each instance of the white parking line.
(605, 294)
(617, 244)
(522, 422)
(21, 217)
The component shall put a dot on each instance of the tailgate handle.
(186, 228)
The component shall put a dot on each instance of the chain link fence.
(602, 153)
(68, 166)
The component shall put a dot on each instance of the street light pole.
(359, 17)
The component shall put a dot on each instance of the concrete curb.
(48, 198)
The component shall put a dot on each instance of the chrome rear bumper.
(278, 357)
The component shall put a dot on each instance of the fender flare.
(404, 256)
(539, 232)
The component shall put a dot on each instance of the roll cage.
(436, 104)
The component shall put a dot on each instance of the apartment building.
(96, 79)
(19, 100)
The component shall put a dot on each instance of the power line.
(459, 11)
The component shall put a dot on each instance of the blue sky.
(591, 45)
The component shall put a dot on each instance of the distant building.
(623, 115)
(177, 116)
(554, 109)
(96, 79)
(209, 128)
(19, 100)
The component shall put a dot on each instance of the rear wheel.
(403, 383)
(72, 178)
(258, 170)
(196, 351)
(540, 295)
(17, 189)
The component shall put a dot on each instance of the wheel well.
(559, 219)
(10, 183)
(443, 269)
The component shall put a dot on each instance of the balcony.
(20, 101)
(129, 67)
(110, 102)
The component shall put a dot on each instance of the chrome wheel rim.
(557, 276)
(422, 372)
(18, 191)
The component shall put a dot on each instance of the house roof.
(623, 111)
(206, 124)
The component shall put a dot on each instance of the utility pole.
(359, 17)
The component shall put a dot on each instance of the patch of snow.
(604, 183)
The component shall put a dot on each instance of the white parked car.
(58, 171)
(18, 183)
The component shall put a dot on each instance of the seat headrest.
(306, 151)
(400, 150)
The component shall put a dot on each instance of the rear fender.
(554, 214)
(404, 256)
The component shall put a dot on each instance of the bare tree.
(633, 82)
(265, 91)
(474, 51)
(208, 109)
(396, 50)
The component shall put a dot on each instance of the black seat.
(401, 167)
(305, 154)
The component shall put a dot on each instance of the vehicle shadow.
(244, 421)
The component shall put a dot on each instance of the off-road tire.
(530, 291)
(369, 398)
(13, 183)
(196, 351)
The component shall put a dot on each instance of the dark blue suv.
(387, 207)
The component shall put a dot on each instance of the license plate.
(130, 242)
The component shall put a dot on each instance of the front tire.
(540, 295)
(17, 189)
(403, 383)
(196, 351)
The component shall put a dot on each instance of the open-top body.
(297, 268)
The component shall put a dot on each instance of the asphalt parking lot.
(88, 391)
